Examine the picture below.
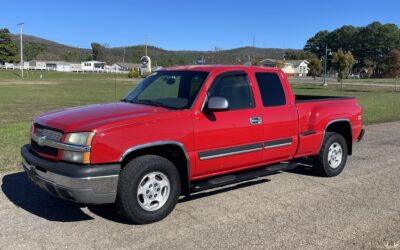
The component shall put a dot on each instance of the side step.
(223, 180)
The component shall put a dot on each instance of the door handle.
(255, 120)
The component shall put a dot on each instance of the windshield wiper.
(148, 102)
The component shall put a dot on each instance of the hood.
(97, 117)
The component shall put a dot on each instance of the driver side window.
(236, 89)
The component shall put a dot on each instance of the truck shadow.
(24, 194)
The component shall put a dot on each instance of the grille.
(44, 149)
(48, 133)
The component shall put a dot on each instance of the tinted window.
(236, 89)
(271, 90)
(170, 89)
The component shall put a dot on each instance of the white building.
(60, 66)
(122, 66)
(290, 67)
(37, 65)
(93, 66)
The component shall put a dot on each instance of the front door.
(230, 139)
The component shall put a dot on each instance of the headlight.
(79, 139)
(76, 157)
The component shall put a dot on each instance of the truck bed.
(319, 98)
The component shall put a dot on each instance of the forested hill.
(36, 48)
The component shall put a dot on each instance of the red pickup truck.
(187, 129)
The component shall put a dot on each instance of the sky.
(191, 25)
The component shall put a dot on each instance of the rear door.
(279, 118)
(228, 140)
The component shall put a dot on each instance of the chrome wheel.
(153, 191)
(335, 155)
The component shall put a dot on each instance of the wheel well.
(343, 128)
(173, 153)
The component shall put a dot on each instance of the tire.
(148, 189)
(331, 164)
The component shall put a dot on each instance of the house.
(93, 66)
(76, 67)
(60, 66)
(122, 66)
(37, 65)
(290, 67)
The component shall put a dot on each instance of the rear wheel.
(332, 157)
(148, 189)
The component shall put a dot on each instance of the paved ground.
(358, 209)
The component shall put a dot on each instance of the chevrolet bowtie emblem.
(41, 140)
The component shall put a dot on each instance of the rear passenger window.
(236, 89)
(271, 90)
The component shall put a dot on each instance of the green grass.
(21, 100)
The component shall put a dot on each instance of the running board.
(223, 180)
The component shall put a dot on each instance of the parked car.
(353, 76)
(187, 129)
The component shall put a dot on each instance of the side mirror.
(217, 104)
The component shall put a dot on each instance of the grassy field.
(21, 100)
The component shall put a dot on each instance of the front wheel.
(332, 157)
(148, 189)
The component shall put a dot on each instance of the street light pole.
(21, 26)
(325, 63)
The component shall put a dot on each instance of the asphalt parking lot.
(359, 209)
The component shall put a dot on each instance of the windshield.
(169, 89)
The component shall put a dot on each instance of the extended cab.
(187, 129)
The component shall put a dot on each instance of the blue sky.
(191, 25)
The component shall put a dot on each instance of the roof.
(93, 62)
(296, 62)
(58, 62)
(128, 65)
(287, 62)
(210, 68)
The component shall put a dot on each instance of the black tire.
(321, 161)
(129, 180)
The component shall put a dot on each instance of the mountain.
(36, 48)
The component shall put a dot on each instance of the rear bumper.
(89, 184)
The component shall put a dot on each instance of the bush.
(133, 74)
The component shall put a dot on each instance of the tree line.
(372, 51)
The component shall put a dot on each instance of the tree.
(393, 63)
(98, 51)
(368, 69)
(371, 44)
(343, 62)
(315, 68)
(317, 43)
(299, 55)
(279, 64)
(8, 49)
(32, 50)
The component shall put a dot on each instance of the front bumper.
(361, 136)
(89, 184)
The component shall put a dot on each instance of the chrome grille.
(48, 133)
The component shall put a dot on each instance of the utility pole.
(325, 63)
(145, 42)
(123, 56)
(21, 26)
(254, 40)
